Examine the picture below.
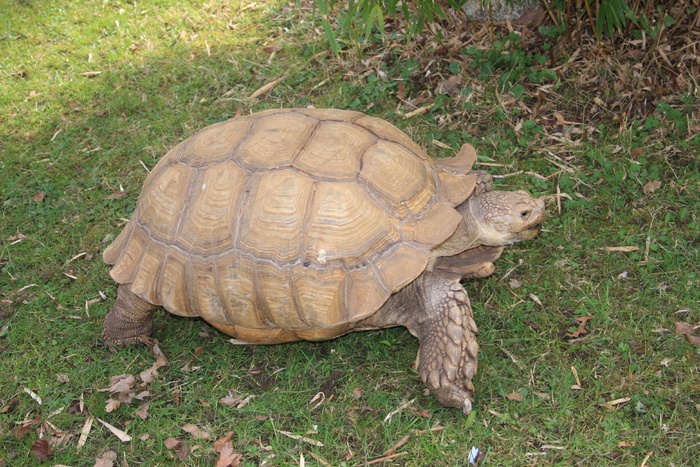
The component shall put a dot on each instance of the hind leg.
(130, 320)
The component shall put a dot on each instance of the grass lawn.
(582, 361)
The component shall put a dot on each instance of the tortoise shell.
(288, 224)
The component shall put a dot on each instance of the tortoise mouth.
(531, 232)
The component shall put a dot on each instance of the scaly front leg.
(448, 347)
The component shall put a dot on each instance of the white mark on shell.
(322, 257)
(204, 185)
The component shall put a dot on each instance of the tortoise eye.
(524, 214)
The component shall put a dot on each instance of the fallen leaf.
(121, 383)
(121, 389)
(268, 49)
(116, 195)
(116, 431)
(514, 396)
(625, 444)
(87, 426)
(235, 401)
(180, 448)
(356, 392)
(196, 432)
(450, 86)
(227, 456)
(542, 395)
(652, 186)
(147, 376)
(688, 331)
(172, 443)
(581, 321)
(515, 284)
(41, 449)
(400, 91)
(106, 459)
(616, 402)
(20, 431)
(61, 378)
(142, 411)
(423, 413)
(39, 197)
(536, 299)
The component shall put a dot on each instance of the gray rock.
(501, 10)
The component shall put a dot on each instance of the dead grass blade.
(301, 438)
(267, 88)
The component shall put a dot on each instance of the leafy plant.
(363, 17)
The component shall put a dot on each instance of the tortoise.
(307, 224)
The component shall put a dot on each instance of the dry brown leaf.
(121, 383)
(268, 49)
(41, 449)
(400, 91)
(356, 392)
(87, 426)
(180, 448)
(450, 86)
(116, 195)
(235, 401)
(652, 186)
(121, 389)
(581, 321)
(684, 328)
(20, 431)
(227, 456)
(147, 376)
(106, 459)
(172, 443)
(142, 411)
(688, 331)
(39, 197)
(515, 396)
(515, 284)
(196, 432)
(116, 431)
(616, 402)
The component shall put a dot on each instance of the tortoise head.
(506, 217)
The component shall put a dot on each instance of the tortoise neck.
(465, 236)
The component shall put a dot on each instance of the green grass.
(90, 89)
